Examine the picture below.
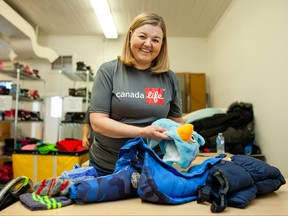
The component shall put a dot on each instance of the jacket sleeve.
(267, 178)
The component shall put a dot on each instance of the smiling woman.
(145, 43)
(133, 91)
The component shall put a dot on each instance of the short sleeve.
(176, 103)
(102, 88)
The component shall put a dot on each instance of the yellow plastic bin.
(38, 167)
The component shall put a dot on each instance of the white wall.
(188, 54)
(248, 62)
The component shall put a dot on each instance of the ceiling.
(184, 18)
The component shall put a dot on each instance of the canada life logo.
(154, 96)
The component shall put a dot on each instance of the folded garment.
(30, 147)
(53, 187)
(45, 148)
(267, 178)
(79, 173)
(70, 145)
(36, 202)
(237, 182)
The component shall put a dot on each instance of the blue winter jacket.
(157, 181)
(237, 182)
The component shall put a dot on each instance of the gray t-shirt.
(131, 96)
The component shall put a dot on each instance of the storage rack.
(75, 76)
(19, 74)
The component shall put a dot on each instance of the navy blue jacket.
(237, 182)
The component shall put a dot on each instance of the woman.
(131, 92)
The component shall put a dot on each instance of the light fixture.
(102, 10)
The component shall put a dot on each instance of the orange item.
(185, 132)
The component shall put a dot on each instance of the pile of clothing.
(236, 124)
(33, 144)
(140, 172)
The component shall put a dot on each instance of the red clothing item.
(70, 145)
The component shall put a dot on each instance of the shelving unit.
(83, 76)
(21, 75)
(32, 163)
(76, 76)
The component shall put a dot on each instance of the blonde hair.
(161, 62)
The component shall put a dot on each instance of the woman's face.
(145, 44)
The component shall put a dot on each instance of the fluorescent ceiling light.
(102, 10)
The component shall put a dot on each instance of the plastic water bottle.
(220, 144)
